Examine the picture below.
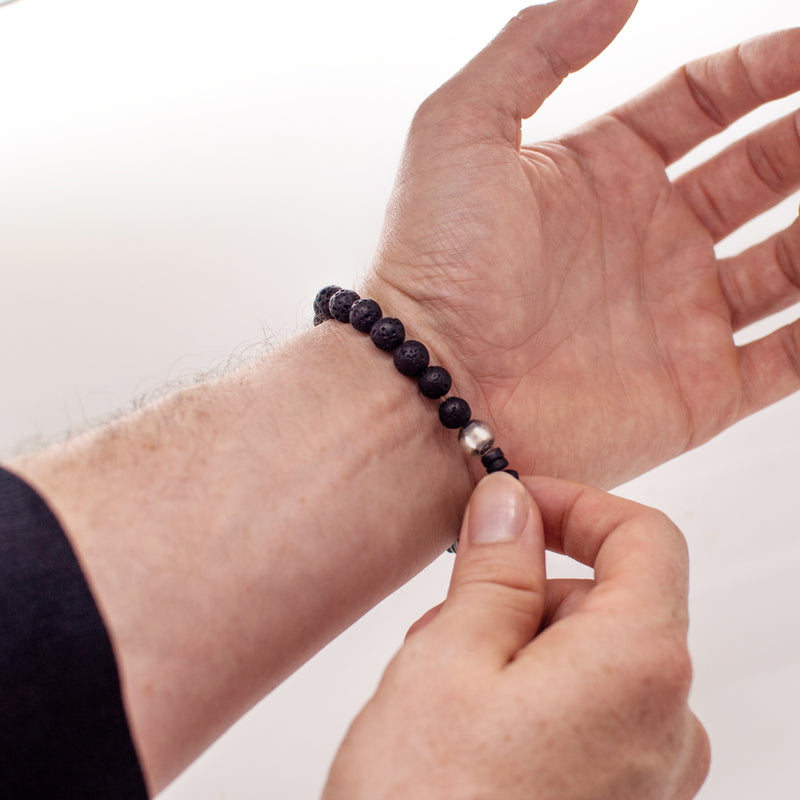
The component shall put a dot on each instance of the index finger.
(634, 549)
(705, 96)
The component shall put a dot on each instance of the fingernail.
(498, 510)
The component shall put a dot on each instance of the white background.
(178, 178)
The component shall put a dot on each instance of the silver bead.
(476, 438)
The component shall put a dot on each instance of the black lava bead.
(387, 333)
(454, 413)
(322, 300)
(411, 358)
(341, 303)
(435, 382)
(497, 466)
(492, 455)
(364, 314)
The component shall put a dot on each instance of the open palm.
(571, 287)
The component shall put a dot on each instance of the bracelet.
(411, 358)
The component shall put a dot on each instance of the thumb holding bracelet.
(496, 597)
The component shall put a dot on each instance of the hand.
(570, 286)
(517, 688)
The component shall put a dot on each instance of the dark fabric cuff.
(63, 730)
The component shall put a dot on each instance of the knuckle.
(701, 96)
(689, 752)
(713, 214)
(449, 112)
(766, 165)
(790, 340)
(787, 255)
(428, 112)
(519, 605)
(657, 519)
(465, 110)
(774, 153)
(663, 673)
(701, 756)
(421, 661)
(734, 286)
(430, 106)
(502, 584)
(525, 14)
(659, 524)
(749, 73)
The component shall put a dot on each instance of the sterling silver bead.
(476, 438)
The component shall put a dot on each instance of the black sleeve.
(63, 730)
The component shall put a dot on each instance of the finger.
(497, 591)
(705, 96)
(507, 81)
(763, 279)
(746, 178)
(770, 368)
(563, 597)
(636, 551)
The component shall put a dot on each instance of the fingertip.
(498, 511)
(526, 62)
(545, 42)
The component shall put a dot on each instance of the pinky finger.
(770, 368)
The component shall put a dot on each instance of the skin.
(571, 290)
(230, 531)
(517, 687)
(571, 283)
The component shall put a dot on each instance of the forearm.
(230, 530)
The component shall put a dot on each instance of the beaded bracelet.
(412, 360)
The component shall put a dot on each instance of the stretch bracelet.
(413, 360)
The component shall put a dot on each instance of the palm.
(578, 292)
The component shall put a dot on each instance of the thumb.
(496, 598)
(508, 81)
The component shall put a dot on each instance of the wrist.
(424, 327)
(398, 428)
